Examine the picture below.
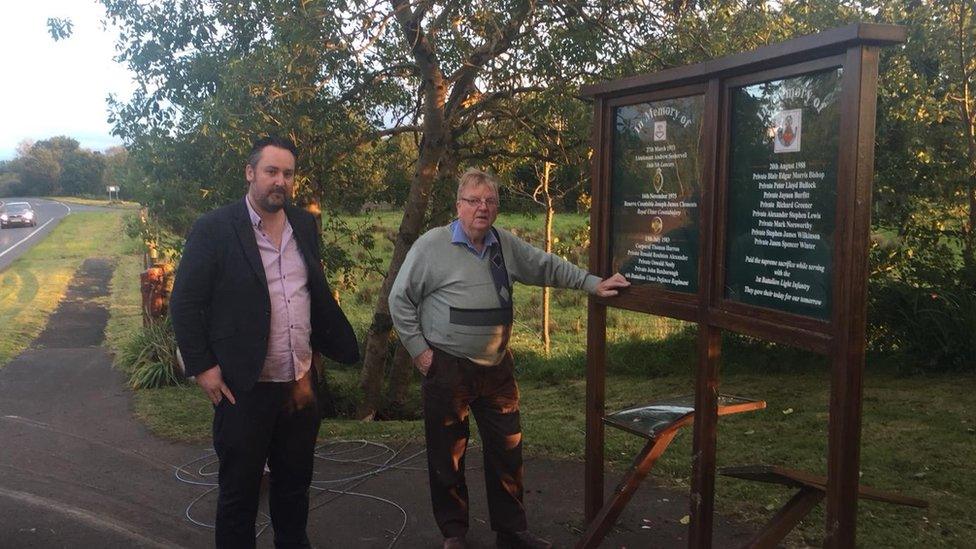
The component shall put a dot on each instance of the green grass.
(125, 301)
(919, 433)
(32, 286)
(104, 202)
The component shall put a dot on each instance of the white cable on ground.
(379, 461)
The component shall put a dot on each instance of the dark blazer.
(220, 306)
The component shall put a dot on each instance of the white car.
(17, 213)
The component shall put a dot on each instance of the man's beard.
(273, 201)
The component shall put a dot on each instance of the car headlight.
(29, 215)
(3, 217)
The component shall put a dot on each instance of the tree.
(344, 79)
(470, 64)
(82, 172)
(40, 165)
(215, 75)
(119, 171)
(9, 181)
(941, 56)
(40, 172)
(561, 143)
(58, 165)
(921, 304)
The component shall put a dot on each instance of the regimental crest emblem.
(658, 180)
(787, 130)
(657, 225)
(660, 130)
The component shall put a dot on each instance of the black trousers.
(275, 423)
(453, 387)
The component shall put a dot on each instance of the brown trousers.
(453, 387)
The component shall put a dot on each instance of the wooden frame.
(658, 441)
(855, 49)
(812, 489)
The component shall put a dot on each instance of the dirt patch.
(79, 321)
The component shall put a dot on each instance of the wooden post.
(596, 325)
(855, 165)
(702, 499)
(596, 341)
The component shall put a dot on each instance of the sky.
(50, 88)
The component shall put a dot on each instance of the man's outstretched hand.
(609, 286)
(212, 383)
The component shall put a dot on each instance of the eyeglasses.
(486, 202)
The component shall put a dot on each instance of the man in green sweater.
(452, 307)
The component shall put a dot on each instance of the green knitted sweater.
(444, 294)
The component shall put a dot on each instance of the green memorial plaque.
(656, 192)
(783, 193)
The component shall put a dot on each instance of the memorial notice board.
(736, 193)
(655, 192)
(783, 196)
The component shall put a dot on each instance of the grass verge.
(105, 203)
(125, 300)
(32, 286)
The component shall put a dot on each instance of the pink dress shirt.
(289, 351)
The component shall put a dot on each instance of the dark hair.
(270, 141)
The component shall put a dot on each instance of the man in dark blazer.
(249, 307)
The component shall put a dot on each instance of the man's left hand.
(609, 287)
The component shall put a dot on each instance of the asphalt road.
(16, 241)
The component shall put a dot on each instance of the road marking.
(35, 231)
(22, 240)
(98, 522)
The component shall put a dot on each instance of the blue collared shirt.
(459, 237)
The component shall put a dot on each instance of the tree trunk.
(400, 374)
(378, 336)
(966, 114)
(546, 292)
(402, 363)
(432, 147)
(437, 145)
(444, 196)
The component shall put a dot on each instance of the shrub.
(926, 328)
(921, 303)
(149, 356)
